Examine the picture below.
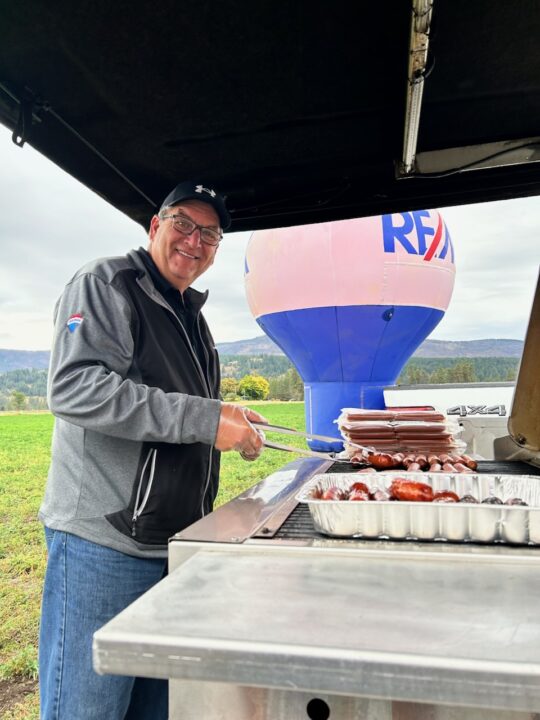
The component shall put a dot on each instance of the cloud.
(497, 260)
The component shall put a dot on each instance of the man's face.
(182, 258)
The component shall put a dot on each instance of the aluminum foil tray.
(458, 522)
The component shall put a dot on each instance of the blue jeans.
(85, 586)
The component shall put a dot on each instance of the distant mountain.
(430, 348)
(24, 360)
(255, 346)
(39, 359)
(496, 347)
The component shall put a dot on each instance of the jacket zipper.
(207, 483)
(167, 307)
(139, 507)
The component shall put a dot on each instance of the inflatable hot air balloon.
(349, 302)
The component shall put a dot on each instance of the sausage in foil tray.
(426, 506)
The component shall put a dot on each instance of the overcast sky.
(51, 225)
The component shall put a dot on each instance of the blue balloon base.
(333, 397)
(347, 354)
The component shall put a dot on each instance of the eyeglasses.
(186, 226)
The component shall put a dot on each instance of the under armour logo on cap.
(201, 189)
(190, 190)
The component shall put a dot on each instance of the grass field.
(24, 457)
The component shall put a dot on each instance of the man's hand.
(235, 431)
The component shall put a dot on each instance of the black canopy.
(295, 110)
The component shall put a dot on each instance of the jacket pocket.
(171, 489)
(127, 520)
(144, 486)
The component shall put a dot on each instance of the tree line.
(273, 377)
(287, 386)
(237, 366)
(23, 390)
(434, 371)
(419, 371)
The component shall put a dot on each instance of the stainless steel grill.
(262, 618)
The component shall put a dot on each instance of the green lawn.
(24, 457)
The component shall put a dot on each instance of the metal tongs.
(300, 451)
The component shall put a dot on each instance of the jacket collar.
(196, 298)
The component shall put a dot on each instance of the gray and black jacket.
(136, 412)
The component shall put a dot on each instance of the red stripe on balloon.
(436, 240)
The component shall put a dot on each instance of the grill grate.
(300, 525)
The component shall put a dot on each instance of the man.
(134, 386)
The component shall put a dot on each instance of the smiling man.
(139, 426)
(184, 239)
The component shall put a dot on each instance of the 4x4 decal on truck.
(464, 410)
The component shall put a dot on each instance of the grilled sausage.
(409, 491)
(422, 461)
(469, 462)
(381, 461)
(446, 496)
(461, 468)
(358, 496)
(333, 493)
(379, 495)
(468, 499)
(359, 487)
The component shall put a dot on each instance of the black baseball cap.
(189, 190)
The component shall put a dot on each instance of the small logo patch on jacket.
(74, 322)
